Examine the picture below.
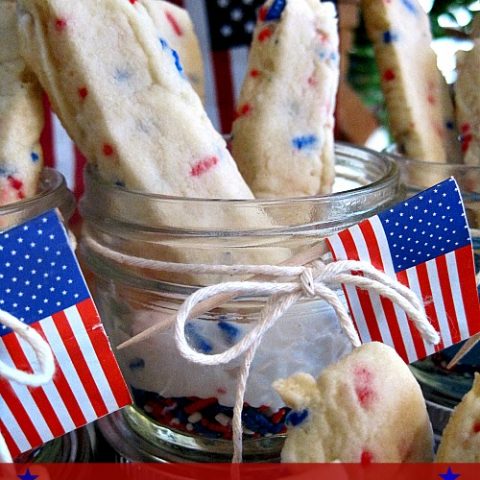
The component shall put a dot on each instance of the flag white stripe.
(390, 270)
(457, 294)
(90, 356)
(238, 60)
(351, 292)
(415, 286)
(54, 397)
(380, 316)
(25, 397)
(65, 363)
(11, 424)
(437, 298)
(199, 16)
(64, 154)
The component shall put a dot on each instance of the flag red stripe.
(22, 416)
(63, 388)
(363, 296)
(427, 297)
(38, 393)
(466, 270)
(80, 364)
(344, 288)
(224, 89)
(12, 446)
(102, 348)
(416, 337)
(387, 305)
(46, 138)
(444, 281)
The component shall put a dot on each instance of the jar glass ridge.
(183, 411)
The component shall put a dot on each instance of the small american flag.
(423, 242)
(41, 284)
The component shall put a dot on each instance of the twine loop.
(44, 356)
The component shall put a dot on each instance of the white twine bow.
(45, 360)
(316, 280)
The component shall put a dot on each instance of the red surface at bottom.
(251, 471)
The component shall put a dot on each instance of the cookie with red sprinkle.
(419, 107)
(21, 116)
(366, 408)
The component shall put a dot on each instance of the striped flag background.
(41, 285)
(224, 29)
(425, 243)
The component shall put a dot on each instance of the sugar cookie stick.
(21, 115)
(461, 437)
(122, 95)
(467, 100)
(283, 135)
(366, 408)
(419, 108)
(174, 25)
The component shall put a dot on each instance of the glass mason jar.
(182, 411)
(442, 386)
(74, 447)
(52, 193)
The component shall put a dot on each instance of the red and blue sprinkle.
(304, 142)
(275, 10)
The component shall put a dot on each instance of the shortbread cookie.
(283, 134)
(467, 100)
(419, 108)
(123, 97)
(175, 26)
(461, 437)
(21, 115)
(366, 408)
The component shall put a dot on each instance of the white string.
(45, 360)
(316, 280)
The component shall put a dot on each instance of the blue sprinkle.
(137, 364)
(304, 141)
(119, 183)
(122, 75)
(178, 64)
(35, 156)
(230, 331)
(275, 11)
(163, 43)
(200, 343)
(389, 37)
(410, 6)
(295, 418)
(450, 125)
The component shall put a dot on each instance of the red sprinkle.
(365, 394)
(264, 34)
(60, 24)
(203, 166)
(83, 92)
(244, 110)
(476, 427)
(254, 73)
(366, 458)
(389, 75)
(174, 24)
(465, 127)
(107, 150)
(262, 13)
(15, 183)
(133, 1)
(431, 99)
(312, 81)
(199, 405)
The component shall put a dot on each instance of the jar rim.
(51, 183)
(389, 178)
